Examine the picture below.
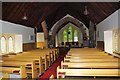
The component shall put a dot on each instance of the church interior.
(59, 40)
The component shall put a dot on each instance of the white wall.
(40, 37)
(119, 40)
(108, 40)
(18, 43)
(8, 27)
(0, 27)
(109, 23)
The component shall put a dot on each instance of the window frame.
(5, 40)
(9, 44)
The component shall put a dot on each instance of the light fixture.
(25, 17)
(86, 11)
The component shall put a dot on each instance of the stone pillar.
(35, 32)
(56, 40)
(44, 26)
(92, 34)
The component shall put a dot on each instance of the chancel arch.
(68, 18)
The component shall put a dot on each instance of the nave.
(60, 40)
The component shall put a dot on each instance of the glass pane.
(64, 36)
(75, 36)
(11, 45)
(70, 34)
(3, 45)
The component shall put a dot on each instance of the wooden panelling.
(28, 46)
(100, 45)
(40, 44)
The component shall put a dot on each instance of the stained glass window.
(64, 36)
(11, 45)
(70, 34)
(3, 45)
(75, 36)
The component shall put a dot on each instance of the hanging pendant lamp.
(86, 11)
(25, 17)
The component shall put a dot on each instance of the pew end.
(4, 76)
(52, 76)
(61, 64)
(57, 71)
(34, 70)
(23, 73)
(60, 74)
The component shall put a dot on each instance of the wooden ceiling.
(54, 11)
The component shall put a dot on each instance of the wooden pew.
(88, 62)
(36, 55)
(87, 54)
(87, 72)
(54, 52)
(50, 52)
(18, 64)
(4, 76)
(90, 65)
(46, 58)
(38, 60)
(41, 54)
(26, 56)
(11, 70)
(84, 50)
(91, 60)
(90, 57)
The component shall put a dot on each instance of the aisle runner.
(52, 69)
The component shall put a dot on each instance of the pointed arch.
(68, 18)
(11, 44)
(3, 45)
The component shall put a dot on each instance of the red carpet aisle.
(52, 69)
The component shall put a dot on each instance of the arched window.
(11, 49)
(70, 34)
(75, 36)
(64, 36)
(3, 45)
